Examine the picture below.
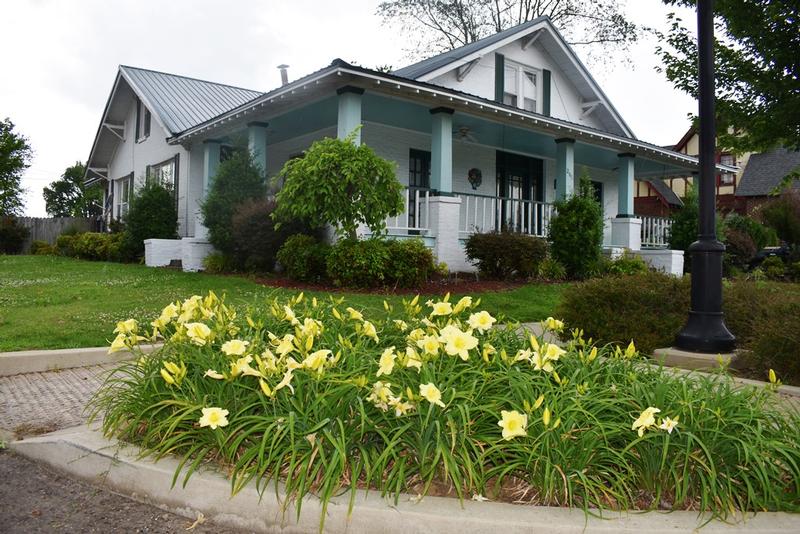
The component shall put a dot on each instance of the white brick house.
(485, 136)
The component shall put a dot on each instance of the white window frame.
(124, 193)
(519, 90)
(142, 115)
(727, 178)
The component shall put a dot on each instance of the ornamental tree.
(15, 157)
(339, 183)
(69, 197)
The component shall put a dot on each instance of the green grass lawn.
(50, 302)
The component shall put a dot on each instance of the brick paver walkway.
(35, 403)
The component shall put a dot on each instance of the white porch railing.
(415, 217)
(481, 213)
(655, 231)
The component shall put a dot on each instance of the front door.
(519, 185)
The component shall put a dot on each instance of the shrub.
(793, 271)
(685, 226)
(217, 263)
(551, 269)
(12, 235)
(65, 244)
(739, 250)
(238, 179)
(359, 263)
(650, 308)
(410, 263)
(97, 246)
(576, 232)
(783, 215)
(42, 248)
(342, 403)
(504, 255)
(303, 258)
(625, 264)
(256, 241)
(762, 236)
(774, 268)
(152, 215)
(341, 184)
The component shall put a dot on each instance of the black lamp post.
(705, 330)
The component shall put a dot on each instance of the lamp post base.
(705, 332)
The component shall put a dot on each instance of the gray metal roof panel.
(665, 191)
(181, 102)
(765, 171)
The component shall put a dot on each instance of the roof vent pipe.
(284, 74)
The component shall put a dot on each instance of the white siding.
(131, 156)
(565, 102)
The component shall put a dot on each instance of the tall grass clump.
(316, 398)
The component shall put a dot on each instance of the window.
(166, 174)
(597, 190)
(142, 121)
(521, 87)
(125, 190)
(419, 178)
(727, 178)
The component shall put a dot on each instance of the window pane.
(531, 76)
(530, 104)
(510, 84)
(509, 99)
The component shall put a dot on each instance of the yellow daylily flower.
(288, 314)
(198, 333)
(381, 395)
(488, 350)
(169, 312)
(431, 393)
(401, 325)
(541, 363)
(416, 334)
(264, 387)
(286, 345)
(523, 355)
(211, 373)
(242, 367)
(386, 362)
(286, 381)
(316, 360)
(311, 327)
(292, 364)
(513, 424)
(402, 408)
(630, 351)
(773, 378)
(668, 424)
(429, 345)
(481, 321)
(126, 327)
(462, 304)
(546, 417)
(214, 417)
(413, 359)
(118, 344)
(441, 308)
(234, 347)
(369, 331)
(355, 314)
(336, 314)
(553, 324)
(553, 351)
(167, 377)
(458, 343)
(645, 420)
(538, 402)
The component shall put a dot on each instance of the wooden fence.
(49, 228)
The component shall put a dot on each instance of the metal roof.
(764, 172)
(426, 66)
(665, 191)
(182, 102)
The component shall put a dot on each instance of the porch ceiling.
(409, 115)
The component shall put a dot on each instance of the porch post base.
(193, 251)
(626, 232)
(444, 214)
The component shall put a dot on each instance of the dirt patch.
(37, 499)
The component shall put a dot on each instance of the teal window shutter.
(499, 77)
(546, 92)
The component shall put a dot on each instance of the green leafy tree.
(576, 232)
(441, 25)
(152, 215)
(15, 157)
(238, 179)
(757, 71)
(686, 224)
(339, 183)
(69, 197)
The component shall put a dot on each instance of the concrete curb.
(84, 453)
(39, 361)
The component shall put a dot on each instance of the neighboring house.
(657, 199)
(763, 174)
(485, 137)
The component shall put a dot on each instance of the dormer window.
(521, 86)
(142, 121)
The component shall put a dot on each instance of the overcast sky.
(61, 57)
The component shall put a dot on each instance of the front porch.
(471, 166)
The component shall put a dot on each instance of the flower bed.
(435, 399)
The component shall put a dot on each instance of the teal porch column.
(442, 150)
(349, 112)
(210, 164)
(257, 143)
(565, 168)
(625, 184)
